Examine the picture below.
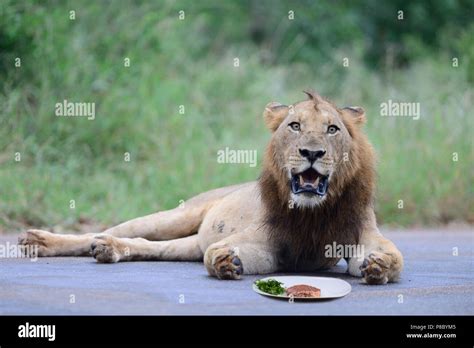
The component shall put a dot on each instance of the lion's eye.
(295, 126)
(333, 129)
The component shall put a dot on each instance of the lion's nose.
(312, 156)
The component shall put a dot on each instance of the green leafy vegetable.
(270, 286)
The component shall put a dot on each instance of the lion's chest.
(312, 254)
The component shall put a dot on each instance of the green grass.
(173, 156)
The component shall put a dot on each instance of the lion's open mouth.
(309, 181)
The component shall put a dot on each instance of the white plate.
(330, 287)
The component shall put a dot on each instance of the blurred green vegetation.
(190, 62)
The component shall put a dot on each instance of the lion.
(316, 190)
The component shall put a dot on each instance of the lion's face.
(310, 143)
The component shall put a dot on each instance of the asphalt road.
(434, 282)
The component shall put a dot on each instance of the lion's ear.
(356, 113)
(274, 114)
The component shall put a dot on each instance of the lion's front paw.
(42, 242)
(224, 263)
(107, 249)
(376, 268)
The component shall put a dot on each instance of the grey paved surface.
(434, 282)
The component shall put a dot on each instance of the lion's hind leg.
(43, 243)
(109, 249)
(166, 225)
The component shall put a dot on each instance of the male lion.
(316, 190)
